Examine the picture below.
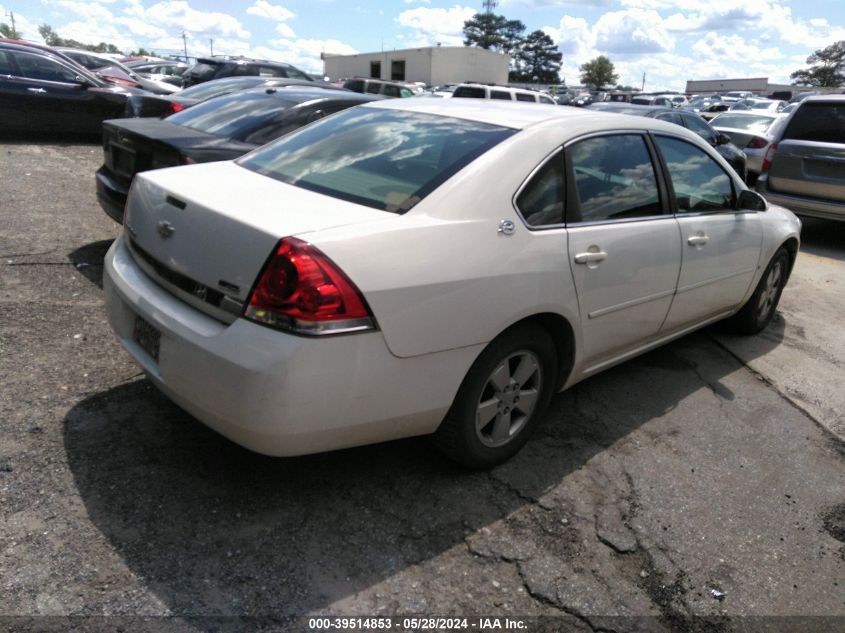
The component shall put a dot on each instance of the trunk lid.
(204, 232)
(131, 146)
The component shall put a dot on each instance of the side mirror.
(751, 201)
(723, 139)
(82, 82)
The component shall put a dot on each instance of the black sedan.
(222, 128)
(44, 93)
(721, 142)
(159, 105)
(219, 66)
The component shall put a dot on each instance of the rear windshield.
(821, 122)
(218, 87)
(749, 122)
(234, 116)
(385, 159)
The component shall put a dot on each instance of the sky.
(670, 41)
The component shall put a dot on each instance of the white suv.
(480, 91)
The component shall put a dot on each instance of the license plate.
(123, 160)
(147, 337)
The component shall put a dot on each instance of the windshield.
(385, 159)
(749, 122)
(219, 87)
(233, 116)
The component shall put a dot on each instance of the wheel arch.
(791, 246)
(561, 332)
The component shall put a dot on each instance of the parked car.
(426, 266)
(720, 142)
(221, 128)
(652, 100)
(169, 70)
(804, 169)
(737, 95)
(380, 87)
(753, 133)
(219, 66)
(582, 100)
(42, 92)
(164, 105)
(506, 93)
(708, 106)
(108, 67)
(758, 105)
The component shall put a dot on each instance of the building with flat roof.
(432, 65)
(757, 85)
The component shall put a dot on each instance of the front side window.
(34, 67)
(6, 67)
(541, 201)
(614, 178)
(385, 159)
(204, 71)
(700, 184)
(235, 116)
(523, 97)
(390, 90)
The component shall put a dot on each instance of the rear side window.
(522, 97)
(218, 87)
(470, 92)
(699, 183)
(204, 71)
(373, 87)
(385, 159)
(541, 201)
(614, 179)
(820, 122)
(498, 94)
(671, 117)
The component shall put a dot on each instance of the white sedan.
(428, 266)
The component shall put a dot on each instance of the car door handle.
(590, 257)
(696, 240)
(37, 90)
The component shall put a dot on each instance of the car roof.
(631, 108)
(515, 115)
(226, 59)
(299, 95)
(818, 98)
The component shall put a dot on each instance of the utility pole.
(489, 5)
(211, 45)
(185, 46)
(11, 15)
(643, 88)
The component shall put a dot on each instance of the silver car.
(752, 132)
(805, 169)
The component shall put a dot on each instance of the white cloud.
(264, 9)
(302, 53)
(431, 26)
(632, 31)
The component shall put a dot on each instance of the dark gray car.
(804, 170)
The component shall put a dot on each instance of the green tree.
(827, 67)
(598, 73)
(485, 30)
(51, 38)
(538, 59)
(8, 32)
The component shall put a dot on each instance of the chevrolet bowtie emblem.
(165, 229)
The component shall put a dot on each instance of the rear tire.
(501, 399)
(758, 311)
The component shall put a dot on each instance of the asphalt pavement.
(699, 487)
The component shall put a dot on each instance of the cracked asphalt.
(700, 487)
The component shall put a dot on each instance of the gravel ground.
(699, 487)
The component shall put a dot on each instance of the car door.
(55, 99)
(623, 243)
(13, 94)
(720, 244)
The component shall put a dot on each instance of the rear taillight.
(176, 107)
(757, 143)
(769, 157)
(301, 290)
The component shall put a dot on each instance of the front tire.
(501, 399)
(758, 311)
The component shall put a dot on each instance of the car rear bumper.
(276, 393)
(800, 205)
(111, 194)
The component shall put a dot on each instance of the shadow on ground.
(214, 529)
(824, 238)
(60, 139)
(88, 260)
